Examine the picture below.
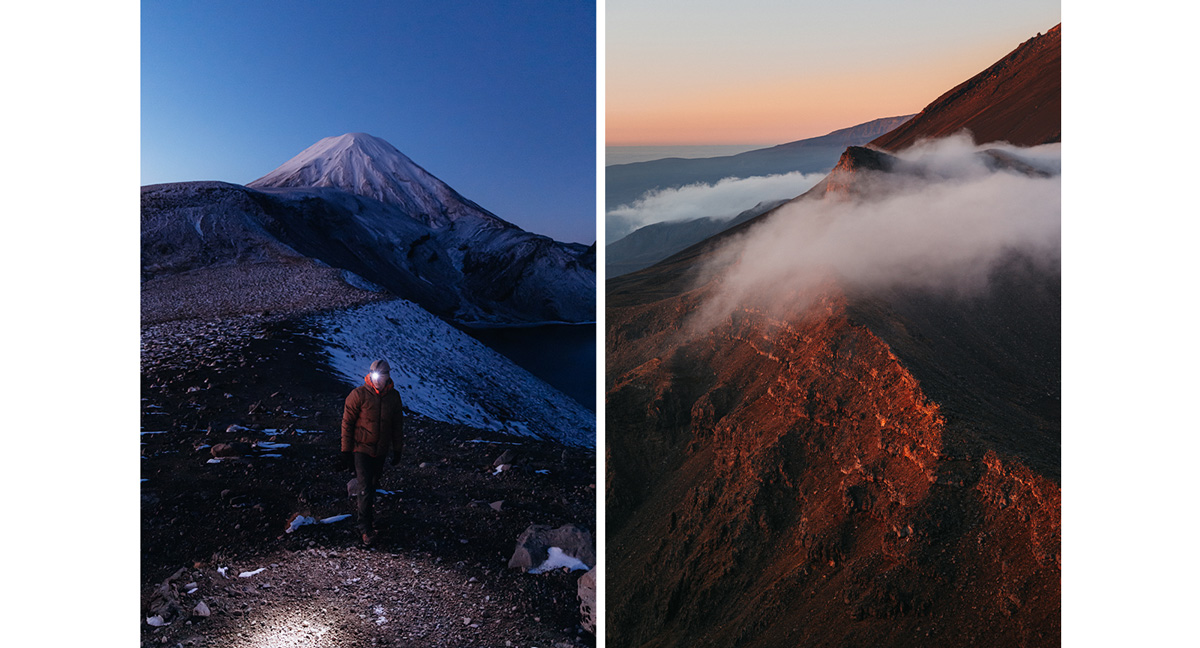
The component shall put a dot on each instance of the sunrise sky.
(774, 71)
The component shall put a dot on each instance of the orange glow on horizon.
(774, 111)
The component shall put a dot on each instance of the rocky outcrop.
(800, 469)
(849, 178)
(535, 545)
(625, 183)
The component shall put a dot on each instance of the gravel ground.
(268, 287)
(357, 597)
(438, 576)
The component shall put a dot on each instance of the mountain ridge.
(1017, 99)
(865, 467)
(429, 245)
(628, 182)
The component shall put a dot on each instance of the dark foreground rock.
(534, 545)
(219, 568)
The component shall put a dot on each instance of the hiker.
(372, 422)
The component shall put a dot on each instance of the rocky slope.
(449, 520)
(800, 486)
(864, 467)
(1016, 100)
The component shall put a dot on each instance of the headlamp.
(374, 375)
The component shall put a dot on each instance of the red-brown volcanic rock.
(870, 470)
(790, 482)
(1017, 100)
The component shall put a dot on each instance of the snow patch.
(299, 521)
(557, 560)
(448, 376)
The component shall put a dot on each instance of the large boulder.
(534, 545)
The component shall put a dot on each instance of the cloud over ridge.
(723, 200)
(944, 224)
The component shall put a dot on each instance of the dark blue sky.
(496, 98)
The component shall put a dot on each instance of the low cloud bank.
(723, 200)
(944, 224)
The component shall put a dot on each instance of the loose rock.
(533, 545)
(587, 600)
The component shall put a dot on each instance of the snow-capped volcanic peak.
(369, 166)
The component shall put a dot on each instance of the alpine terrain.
(837, 423)
(262, 307)
(357, 204)
(625, 183)
(652, 243)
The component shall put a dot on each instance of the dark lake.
(563, 355)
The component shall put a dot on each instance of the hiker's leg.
(367, 470)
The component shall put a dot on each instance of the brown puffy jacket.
(372, 421)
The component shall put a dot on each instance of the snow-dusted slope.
(356, 203)
(187, 225)
(369, 166)
(447, 375)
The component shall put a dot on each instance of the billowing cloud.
(723, 200)
(943, 224)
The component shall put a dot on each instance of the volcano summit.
(368, 166)
(353, 213)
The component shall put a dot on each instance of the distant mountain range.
(648, 245)
(625, 183)
(356, 204)
(874, 467)
(652, 243)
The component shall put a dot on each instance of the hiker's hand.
(347, 461)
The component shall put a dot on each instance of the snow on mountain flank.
(447, 375)
(369, 166)
(356, 204)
